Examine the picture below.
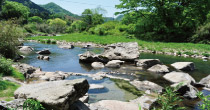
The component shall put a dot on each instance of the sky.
(78, 6)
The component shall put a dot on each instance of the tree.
(87, 17)
(35, 19)
(58, 25)
(78, 26)
(1, 3)
(173, 20)
(14, 10)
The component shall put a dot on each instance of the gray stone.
(42, 57)
(44, 52)
(57, 95)
(113, 105)
(97, 65)
(85, 98)
(78, 105)
(205, 81)
(159, 69)
(185, 66)
(26, 48)
(96, 86)
(91, 57)
(122, 51)
(145, 101)
(187, 91)
(26, 69)
(147, 63)
(114, 64)
(16, 104)
(179, 77)
(146, 85)
(66, 46)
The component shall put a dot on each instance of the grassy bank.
(7, 90)
(184, 48)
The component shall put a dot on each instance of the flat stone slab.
(147, 85)
(147, 63)
(96, 86)
(205, 81)
(113, 105)
(159, 69)
(185, 66)
(179, 77)
(57, 95)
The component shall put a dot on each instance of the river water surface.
(67, 60)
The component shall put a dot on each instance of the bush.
(9, 35)
(35, 19)
(31, 27)
(205, 101)
(45, 28)
(58, 25)
(202, 34)
(31, 104)
(5, 66)
(169, 99)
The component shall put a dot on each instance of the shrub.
(35, 19)
(9, 35)
(202, 34)
(31, 104)
(206, 54)
(205, 101)
(58, 25)
(48, 41)
(31, 27)
(5, 66)
(53, 42)
(45, 28)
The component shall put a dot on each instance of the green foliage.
(188, 53)
(31, 104)
(35, 19)
(30, 27)
(58, 25)
(14, 10)
(165, 20)
(169, 100)
(127, 86)
(9, 35)
(205, 101)
(202, 34)
(206, 54)
(45, 28)
(77, 26)
(5, 66)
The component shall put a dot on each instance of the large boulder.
(147, 63)
(25, 48)
(97, 65)
(113, 105)
(96, 86)
(90, 57)
(159, 69)
(44, 52)
(205, 81)
(179, 77)
(147, 85)
(56, 95)
(184, 66)
(122, 51)
(114, 64)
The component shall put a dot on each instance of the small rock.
(147, 63)
(96, 86)
(44, 52)
(114, 64)
(185, 66)
(159, 69)
(66, 46)
(97, 65)
(147, 85)
(42, 57)
(26, 48)
(205, 81)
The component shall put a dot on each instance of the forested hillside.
(54, 8)
(35, 10)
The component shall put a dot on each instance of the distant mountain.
(54, 8)
(35, 10)
(120, 17)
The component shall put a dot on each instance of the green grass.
(18, 75)
(157, 46)
(122, 84)
(7, 90)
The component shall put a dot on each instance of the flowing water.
(67, 60)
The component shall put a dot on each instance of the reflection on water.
(67, 60)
